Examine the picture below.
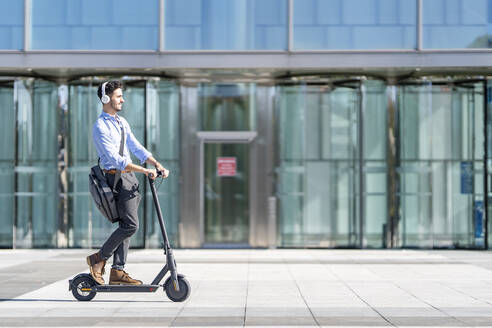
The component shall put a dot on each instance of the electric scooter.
(177, 288)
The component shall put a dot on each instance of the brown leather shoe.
(96, 265)
(120, 277)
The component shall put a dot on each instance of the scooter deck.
(125, 288)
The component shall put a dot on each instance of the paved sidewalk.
(235, 288)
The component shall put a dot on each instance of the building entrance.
(226, 193)
(441, 168)
(321, 165)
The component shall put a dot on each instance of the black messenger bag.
(102, 193)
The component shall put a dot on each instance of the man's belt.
(113, 171)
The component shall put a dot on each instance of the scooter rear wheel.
(82, 289)
(184, 289)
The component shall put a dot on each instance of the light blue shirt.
(106, 133)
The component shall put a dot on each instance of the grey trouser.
(127, 200)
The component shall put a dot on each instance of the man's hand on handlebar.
(164, 173)
(152, 173)
(162, 169)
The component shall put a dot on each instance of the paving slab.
(259, 288)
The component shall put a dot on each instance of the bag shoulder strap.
(122, 146)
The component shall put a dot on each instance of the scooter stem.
(159, 215)
(167, 248)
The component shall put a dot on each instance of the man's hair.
(109, 88)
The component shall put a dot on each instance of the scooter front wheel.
(82, 289)
(184, 289)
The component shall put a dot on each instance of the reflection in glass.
(441, 173)
(226, 24)
(95, 24)
(355, 24)
(11, 24)
(227, 107)
(7, 154)
(457, 24)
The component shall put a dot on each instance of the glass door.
(226, 194)
(318, 184)
(226, 119)
(441, 165)
(469, 98)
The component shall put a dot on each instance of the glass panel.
(441, 165)
(88, 227)
(95, 24)
(227, 107)
(355, 24)
(291, 169)
(11, 24)
(37, 173)
(7, 154)
(84, 108)
(375, 168)
(226, 24)
(163, 143)
(226, 192)
(455, 24)
(317, 184)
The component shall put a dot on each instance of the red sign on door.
(226, 166)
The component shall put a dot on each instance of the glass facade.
(358, 162)
(245, 25)
(44, 194)
(436, 167)
(355, 24)
(11, 24)
(349, 161)
(226, 24)
(457, 24)
(95, 24)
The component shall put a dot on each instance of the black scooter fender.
(85, 275)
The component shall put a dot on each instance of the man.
(107, 134)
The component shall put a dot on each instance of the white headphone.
(104, 97)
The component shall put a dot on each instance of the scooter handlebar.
(159, 174)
